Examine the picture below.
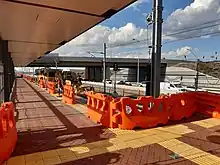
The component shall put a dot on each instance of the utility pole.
(156, 47)
(138, 71)
(197, 75)
(55, 63)
(196, 68)
(149, 21)
(104, 68)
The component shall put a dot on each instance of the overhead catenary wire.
(196, 36)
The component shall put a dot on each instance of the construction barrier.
(51, 86)
(8, 132)
(99, 107)
(182, 105)
(68, 94)
(29, 78)
(42, 83)
(208, 104)
(144, 112)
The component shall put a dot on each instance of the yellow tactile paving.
(165, 136)
(79, 107)
(208, 123)
(177, 129)
(18, 160)
(191, 153)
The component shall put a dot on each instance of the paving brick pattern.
(45, 123)
(50, 132)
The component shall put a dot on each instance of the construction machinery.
(65, 77)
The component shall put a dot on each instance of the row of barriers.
(68, 95)
(8, 132)
(147, 112)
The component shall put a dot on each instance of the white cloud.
(197, 13)
(179, 53)
(137, 4)
(93, 41)
(100, 34)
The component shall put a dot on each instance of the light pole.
(104, 64)
(93, 56)
(55, 63)
(197, 69)
(138, 64)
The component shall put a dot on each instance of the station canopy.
(36, 27)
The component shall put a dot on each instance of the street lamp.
(197, 69)
(138, 65)
(93, 56)
(55, 63)
(104, 64)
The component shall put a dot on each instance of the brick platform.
(50, 132)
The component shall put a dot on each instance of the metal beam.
(53, 8)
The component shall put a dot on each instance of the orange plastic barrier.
(99, 107)
(208, 104)
(8, 132)
(42, 83)
(182, 105)
(144, 112)
(68, 94)
(51, 87)
(29, 78)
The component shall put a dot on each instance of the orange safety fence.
(29, 78)
(99, 107)
(143, 112)
(8, 132)
(68, 94)
(51, 87)
(146, 112)
(208, 104)
(42, 83)
(182, 105)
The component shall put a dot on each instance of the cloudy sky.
(188, 25)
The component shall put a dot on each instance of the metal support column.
(156, 47)
(197, 75)
(104, 68)
(138, 71)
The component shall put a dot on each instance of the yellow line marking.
(165, 136)
(191, 153)
(207, 123)
(79, 107)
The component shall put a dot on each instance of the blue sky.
(178, 15)
(201, 46)
(137, 17)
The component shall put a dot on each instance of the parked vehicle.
(122, 82)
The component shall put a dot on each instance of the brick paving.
(45, 123)
(50, 132)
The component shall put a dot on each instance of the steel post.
(156, 47)
(104, 68)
